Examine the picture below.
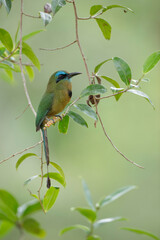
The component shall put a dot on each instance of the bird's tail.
(46, 150)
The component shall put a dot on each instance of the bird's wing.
(44, 107)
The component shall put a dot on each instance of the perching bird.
(54, 100)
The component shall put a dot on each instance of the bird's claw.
(52, 121)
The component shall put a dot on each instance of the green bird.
(54, 100)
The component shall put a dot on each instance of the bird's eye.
(60, 77)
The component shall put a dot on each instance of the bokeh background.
(132, 123)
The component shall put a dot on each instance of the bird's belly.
(59, 103)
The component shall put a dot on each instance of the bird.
(53, 102)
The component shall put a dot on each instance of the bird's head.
(63, 75)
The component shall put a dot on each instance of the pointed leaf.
(30, 179)
(112, 197)
(151, 61)
(5, 227)
(6, 39)
(56, 5)
(10, 74)
(30, 72)
(25, 156)
(33, 227)
(141, 94)
(88, 213)
(16, 35)
(113, 82)
(107, 220)
(118, 6)
(2, 50)
(87, 110)
(78, 119)
(8, 200)
(93, 89)
(47, 18)
(50, 198)
(123, 70)
(78, 226)
(4, 217)
(56, 176)
(27, 50)
(94, 9)
(117, 90)
(138, 231)
(58, 168)
(63, 125)
(7, 4)
(88, 194)
(105, 27)
(29, 208)
(100, 64)
(26, 37)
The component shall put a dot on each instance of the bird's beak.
(70, 75)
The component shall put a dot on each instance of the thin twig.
(76, 100)
(23, 112)
(112, 95)
(11, 53)
(137, 165)
(22, 151)
(78, 41)
(20, 61)
(31, 16)
(59, 48)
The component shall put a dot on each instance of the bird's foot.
(52, 121)
(58, 116)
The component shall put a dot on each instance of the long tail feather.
(46, 150)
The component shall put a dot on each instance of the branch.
(112, 95)
(22, 151)
(22, 112)
(59, 48)
(20, 61)
(105, 133)
(31, 16)
(76, 100)
(78, 41)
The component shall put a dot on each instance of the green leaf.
(47, 18)
(78, 226)
(6, 39)
(10, 74)
(107, 220)
(33, 227)
(123, 70)
(88, 213)
(87, 110)
(16, 35)
(2, 50)
(112, 197)
(138, 231)
(26, 37)
(87, 194)
(56, 5)
(151, 61)
(63, 125)
(56, 176)
(141, 94)
(30, 179)
(58, 168)
(8, 200)
(105, 27)
(5, 227)
(93, 89)
(7, 4)
(118, 6)
(50, 198)
(94, 9)
(110, 80)
(99, 65)
(30, 72)
(27, 50)
(4, 217)
(94, 237)
(22, 158)
(117, 90)
(29, 208)
(77, 118)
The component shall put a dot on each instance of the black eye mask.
(61, 77)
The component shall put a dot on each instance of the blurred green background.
(132, 123)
